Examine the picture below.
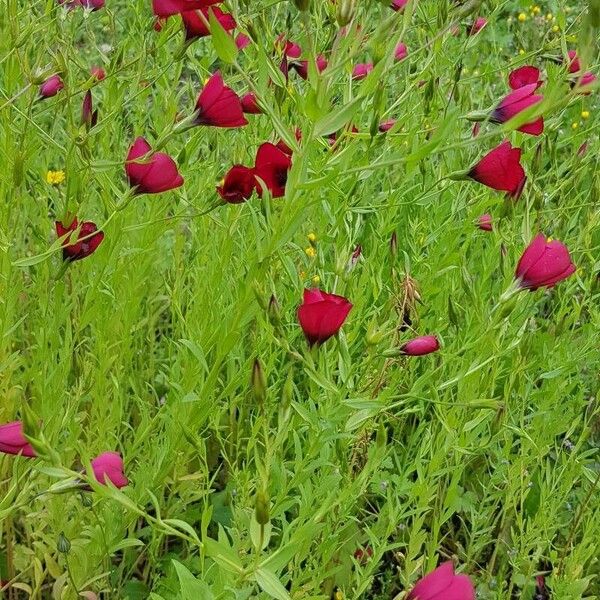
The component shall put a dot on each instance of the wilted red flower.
(501, 170)
(150, 172)
(287, 48)
(301, 67)
(420, 346)
(398, 4)
(238, 184)
(89, 116)
(195, 25)
(108, 467)
(51, 86)
(477, 26)
(485, 222)
(386, 125)
(87, 241)
(516, 102)
(526, 75)
(242, 41)
(98, 73)
(250, 105)
(543, 264)
(272, 166)
(574, 64)
(167, 8)
(443, 584)
(361, 70)
(218, 105)
(401, 51)
(12, 440)
(321, 315)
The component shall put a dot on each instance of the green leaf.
(191, 588)
(336, 119)
(224, 44)
(268, 582)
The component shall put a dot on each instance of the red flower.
(361, 70)
(238, 185)
(400, 52)
(242, 41)
(321, 315)
(98, 73)
(485, 222)
(501, 170)
(398, 4)
(443, 584)
(89, 116)
(166, 8)
(250, 105)
(517, 102)
(574, 64)
(386, 125)
(12, 440)
(87, 241)
(523, 76)
(284, 147)
(108, 466)
(587, 80)
(477, 26)
(195, 26)
(287, 48)
(420, 346)
(543, 264)
(51, 86)
(272, 166)
(301, 66)
(218, 105)
(156, 172)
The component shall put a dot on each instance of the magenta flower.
(443, 584)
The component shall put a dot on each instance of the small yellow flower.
(574, 125)
(338, 595)
(312, 238)
(555, 28)
(522, 17)
(537, 10)
(310, 252)
(549, 17)
(585, 114)
(55, 177)
(521, 51)
(302, 274)
(316, 280)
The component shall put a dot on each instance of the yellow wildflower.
(310, 252)
(55, 177)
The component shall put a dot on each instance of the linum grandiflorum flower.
(321, 315)
(12, 440)
(543, 264)
(150, 172)
(419, 346)
(250, 105)
(500, 169)
(108, 467)
(195, 24)
(89, 116)
(516, 102)
(525, 75)
(238, 184)
(51, 86)
(271, 167)
(477, 26)
(242, 41)
(400, 52)
(287, 47)
(574, 63)
(167, 8)
(485, 222)
(361, 70)
(386, 125)
(443, 584)
(218, 105)
(98, 73)
(398, 4)
(301, 67)
(85, 243)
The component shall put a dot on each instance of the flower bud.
(262, 508)
(63, 545)
(302, 5)
(259, 382)
(345, 12)
(274, 310)
(394, 245)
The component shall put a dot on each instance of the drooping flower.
(516, 102)
(301, 67)
(150, 172)
(525, 75)
(500, 169)
(443, 584)
(12, 440)
(218, 105)
(543, 264)
(51, 86)
(485, 222)
(89, 116)
(272, 166)
(477, 25)
(167, 8)
(86, 242)
(194, 22)
(386, 125)
(108, 467)
(97, 73)
(250, 104)
(420, 346)
(238, 184)
(361, 70)
(321, 315)
(401, 51)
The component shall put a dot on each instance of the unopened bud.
(258, 294)
(394, 245)
(381, 436)
(259, 382)
(273, 310)
(302, 4)
(63, 545)
(345, 12)
(262, 508)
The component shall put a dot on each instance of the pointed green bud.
(259, 382)
(262, 508)
(63, 545)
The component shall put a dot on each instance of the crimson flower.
(167, 8)
(361, 70)
(195, 25)
(386, 125)
(238, 184)
(400, 52)
(154, 173)
(51, 86)
(87, 241)
(516, 102)
(301, 67)
(574, 63)
(218, 105)
(443, 584)
(477, 26)
(287, 47)
(271, 167)
(543, 264)
(250, 105)
(98, 73)
(500, 169)
(12, 440)
(321, 315)
(242, 41)
(108, 466)
(526, 75)
(420, 346)
(398, 4)
(485, 222)
(89, 116)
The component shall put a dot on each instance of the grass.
(485, 452)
